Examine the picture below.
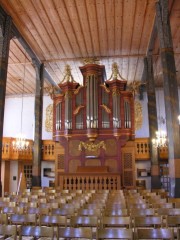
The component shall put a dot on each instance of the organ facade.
(94, 123)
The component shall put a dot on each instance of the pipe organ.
(94, 122)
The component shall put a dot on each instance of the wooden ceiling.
(62, 32)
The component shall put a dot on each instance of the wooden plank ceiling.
(64, 32)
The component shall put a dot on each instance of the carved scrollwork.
(49, 118)
(105, 88)
(115, 73)
(115, 92)
(68, 94)
(78, 89)
(91, 146)
(93, 60)
(68, 77)
(138, 115)
(77, 110)
(108, 110)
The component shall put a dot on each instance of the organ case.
(93, 121)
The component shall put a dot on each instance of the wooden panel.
(128, 165)
(73, 165)
(73, 148)
(92, 162)
(92, 169)
(111, 164)
(6, 176)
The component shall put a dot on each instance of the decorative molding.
(108, 110)
(77, 110)
(138, 115)
(91, 146)
(49, 118)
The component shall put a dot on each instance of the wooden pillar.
(170, 95)
(5, 36)
(37, 148)
(153, 126)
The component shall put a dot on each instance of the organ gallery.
(94, 123)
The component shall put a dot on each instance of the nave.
(50, 213)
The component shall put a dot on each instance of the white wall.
(12, 117)
(12, 126)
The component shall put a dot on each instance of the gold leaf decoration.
(49, 118)
(93, 60)
(68, 77)
(115, 92)
(105, 88)
(76, 111)
(78, 89)
(91, 146)
(134, 87)
(108, 110)
(138, 115)
(115, 73)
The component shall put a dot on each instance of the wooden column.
(170, 95)
(153, 126)
(5, 36)
(37, 149)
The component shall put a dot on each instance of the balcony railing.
(8, 153)
(142, 150)
(85, 181)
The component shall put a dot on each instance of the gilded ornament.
(52, 90)
(105, 88)
(134, 87)
(49, 118)
(115, 73)
(138, 115)
(68, 77)
(78, 89)
(92, 60)
(68, 94)
(108, 110)
(115, 92)
(77, 110)
(91, 146)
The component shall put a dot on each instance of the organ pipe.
(68, 111)
(105, 116)
(93, 108)
(127, 115)
(58, 116)
(79, 117)
(92, 102)
(116, 110)
(87, 103)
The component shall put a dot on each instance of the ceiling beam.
(35, 59)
